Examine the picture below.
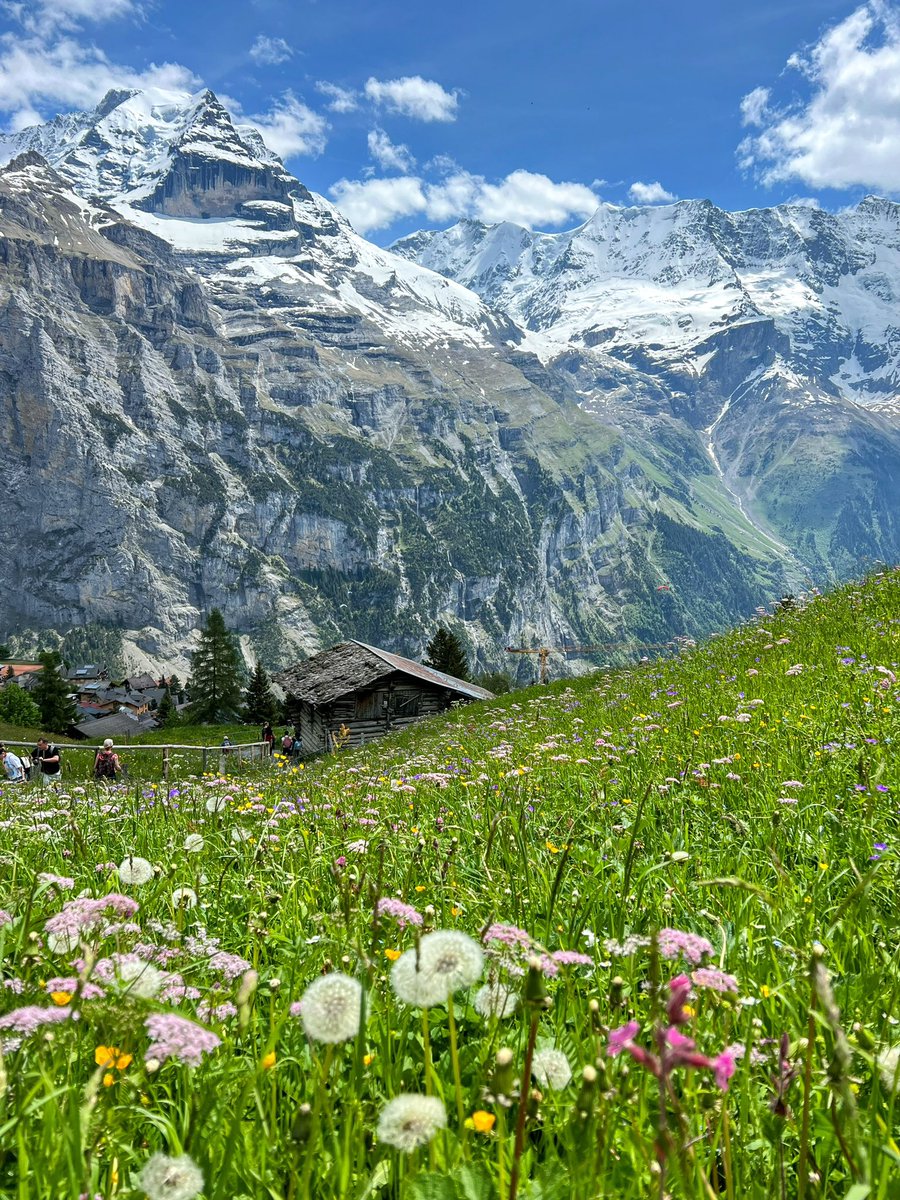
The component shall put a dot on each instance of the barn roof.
(351, 666)
(115, 724)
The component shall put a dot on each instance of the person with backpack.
(107, 764)
(287, 744)
(46, 758)
(12, 764)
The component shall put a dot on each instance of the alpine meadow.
(629, 936)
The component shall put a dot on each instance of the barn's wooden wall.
(365, 714)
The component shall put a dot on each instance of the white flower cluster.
(444, 962)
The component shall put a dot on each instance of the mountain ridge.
(243, 402)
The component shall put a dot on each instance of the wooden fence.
(228, 760)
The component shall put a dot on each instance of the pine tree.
(216, 669)
(17, 707)
(51, 694)
(260, 706)
(166, 714)
(446, 653)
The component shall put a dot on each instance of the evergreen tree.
(51, 694)
(260, 706)
(166, 714)
(216, 669)
(497, 682)
(17, 707)
(446, 653)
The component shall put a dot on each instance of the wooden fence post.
(165, 764)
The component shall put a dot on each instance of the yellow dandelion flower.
(109, 1079)
(392, 955)
(483, 1122)
(268, 1061)
(60, 998)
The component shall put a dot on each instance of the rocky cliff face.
(258, 409)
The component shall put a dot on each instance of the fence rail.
(226, 758)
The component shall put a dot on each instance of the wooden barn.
(367, 691)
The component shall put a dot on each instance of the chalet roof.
(115, 723)
(87, 671)
(351, 666)
(141, 683)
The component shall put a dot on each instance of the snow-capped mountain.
(213, 390)
(666, 279)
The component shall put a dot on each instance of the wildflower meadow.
(630, 936)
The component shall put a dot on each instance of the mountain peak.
(165, 151)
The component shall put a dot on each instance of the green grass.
(727, 795)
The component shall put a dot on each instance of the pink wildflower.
(403, 914)
(176, 1037)
(723, 1066)
(571, 958)
(690, 946)
(509, 935)
(718, 981)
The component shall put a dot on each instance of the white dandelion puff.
(409, 1121)
(64, 942)
(239, 834)
(194, 843)
(331, 1008)
(496, 1000)
(446, 961)
(551, 1069)
(135, 871)
(165, 1178)
(889, 1068)
(215, 804)
(139, 978)
(184, 897)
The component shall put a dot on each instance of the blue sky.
(411, 115)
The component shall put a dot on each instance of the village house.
(367, 692)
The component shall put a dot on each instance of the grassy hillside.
(671, 966)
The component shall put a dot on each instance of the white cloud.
(755, 106)
(522, 197)
(413, 96)
(377, 203)
(387, 155)
(650, 193)
(49, 15)
(37, 77)
(529, 199)
(269, 51)
(846, 131)
(290, 127)
(342, 100)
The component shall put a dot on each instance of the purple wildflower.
(510, 935)
(621, 1038)
(571, 958)
(176, 1037)
(30, 1018)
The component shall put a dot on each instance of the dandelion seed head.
(551, 1069)
(331, 1008)
(165, 1178)
(447, 960)
(409, 1121)
(135, 871)
(496, 1000)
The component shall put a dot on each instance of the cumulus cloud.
(522, 197)
(388, 155)
(290, 127)
(48, 15)
(413, 96)
(845, 131)
(340, 99)
(267, 51)
(39, 77)
(650, 193)
(378, 203)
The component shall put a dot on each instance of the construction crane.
(544, 652)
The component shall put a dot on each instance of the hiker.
(12, 765)
(287, 744)
(268, 736)
(107, 764)
(46, 758)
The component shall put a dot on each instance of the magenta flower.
(679, 991)
(723, 1066)
(620, 1039)
(690, 946)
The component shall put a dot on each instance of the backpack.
(287, 743)
(105, 767)
(27, 765)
